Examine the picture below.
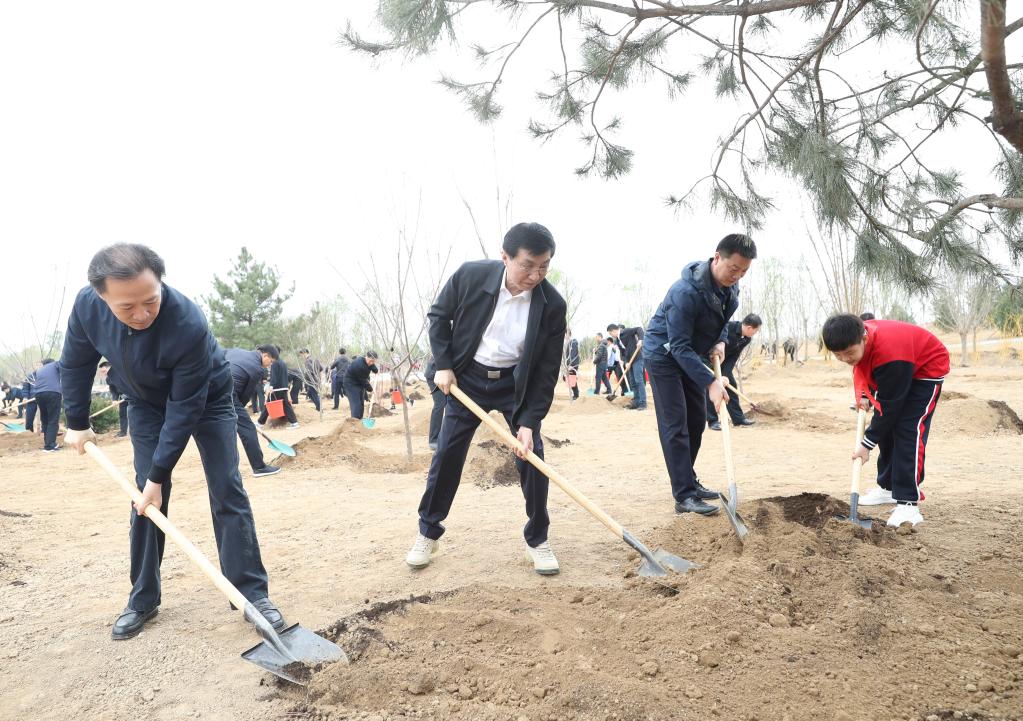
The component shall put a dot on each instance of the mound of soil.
(342, 445)
(797, 623)
(491, 463)
(783, 411)
(19, 442)
(976, 416)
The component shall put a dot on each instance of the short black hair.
(614, 326)
(842, 331)
(866, 316)
(737, 243)
(270, 349)
(752, 320)
(123, 261)
(600, 334)
(535, 238)
(372, 354)
(304, 350)
(341, 351)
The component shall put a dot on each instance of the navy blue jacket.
(175, 365)
(247, 371)
(690, 321)
(48, 379)
(357, 375)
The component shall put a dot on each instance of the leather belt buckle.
(494, 375)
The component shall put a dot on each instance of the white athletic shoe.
(877, 497)
(421, 552)
(905, 513)
(544, 561)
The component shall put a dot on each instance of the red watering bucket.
(275, 409)
(396, 397)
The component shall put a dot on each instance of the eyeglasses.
(531, 269)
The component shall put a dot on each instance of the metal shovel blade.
(854, 514)
(307, 653)
(730, 504)
(14, 427)
(659, 562)
(282, 447)
(369, 422)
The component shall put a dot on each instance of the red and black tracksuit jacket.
(901, 372)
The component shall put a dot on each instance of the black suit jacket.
(460, 316)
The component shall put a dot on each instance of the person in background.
(338, 369)
(247, 369)
(311, 372)
(616, 359)
(116, 396)
(357, 383)
(632, 338)
(740, 334)
(47, 394)
(278, 389)
(600, 365)
(28, 393)
(572, 362)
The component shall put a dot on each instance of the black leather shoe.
(704, 493)
(745, 422)
(270, 612)
(695, 505)
(129, 624)
(715, 426)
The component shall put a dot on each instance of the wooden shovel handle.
(726, 430)
(618, 379)
(857, 464)
(104, 410)
(162, 522)
(559, 480)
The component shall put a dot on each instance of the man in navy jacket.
(179, 386)
(689, 325)
(47, 394)
(248, 369)
(740, 335)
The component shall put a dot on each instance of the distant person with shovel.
(496, 330)
(740, 335)
(633, 340)
(115, 395)
(689, 325)
(898, 368)
(572, 362)
(247, 370)
(357, 383)
(179, 387)
(279, 391)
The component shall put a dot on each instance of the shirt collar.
(504, 293)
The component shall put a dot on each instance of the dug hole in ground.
(811, 619)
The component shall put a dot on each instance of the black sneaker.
(745, 422)
(704, 493)
(715, 426)
(695, 505)
(266, 471)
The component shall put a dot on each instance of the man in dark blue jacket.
(688, 326)
(179, 386)
(279, 376)
(28, 391)
(337, 376)
(47, 394)
(357, 383)
(247, 369)
(740, 334)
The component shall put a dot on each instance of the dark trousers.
(30, 416)
(623, 384)
(437, 414)
(900, 455)
(637, 382)
(681, 409)
(337, 389)
(314, 394)
(735, 411)
(249, 437)
(601, 377)
(122, 416)
(233, 525)
(49, 417)
(575, 388)
(456, 434)
(258, 399)
(289, 412)
(296, 387)
(356, 399)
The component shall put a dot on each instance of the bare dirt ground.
(809, 620)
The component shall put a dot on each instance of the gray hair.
(123, 261)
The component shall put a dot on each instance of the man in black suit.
(740, 334)
(496, 330)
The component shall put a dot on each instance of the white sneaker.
(292, 425)
(877, 497)
(544, 561)
(421, 552)
(905, 513)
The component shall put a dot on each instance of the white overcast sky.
(199, 127)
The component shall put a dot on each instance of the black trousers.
(314, 394)
(49, 417)
(456, 434)
(681, 408)
(258, 399)
(437, 414)
(233, 525)
(30, 416)
(249, 437)
(356, 395)
(122, 416)
(337, 389)
(575, 388)
(735, 411)
(289, 412)
(900, 455)
(296, 388)
(601, 377)
(623, 383)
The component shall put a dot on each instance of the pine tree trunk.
(966, 358)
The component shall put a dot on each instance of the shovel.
(104, 410)
(619, 378)
(854, 487)
(294, 653)
(731, 501)
(655, 563)
(746, 398)
(278, 446)
(369, 421)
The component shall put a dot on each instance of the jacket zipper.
(127, 373)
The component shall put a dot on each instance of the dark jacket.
(630, 337)
(247, 371)
(460, 316)
(600, 354)
(572, 359)
(48, 379)
(340, 367)
(430, 374)
(358, 372)
(279, 375)
(311, 370)
(690, 321)
(174, 364)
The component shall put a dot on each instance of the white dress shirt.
(612, 355)
(505, 336)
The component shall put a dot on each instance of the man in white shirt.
(496, 331)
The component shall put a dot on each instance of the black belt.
(490, 372)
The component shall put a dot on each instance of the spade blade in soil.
(730, 504)
(14, 427)
(659, 562)
(282, 447)
(854, 514)
(369, 422)
(308, 651)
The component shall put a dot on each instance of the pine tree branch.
(1006, 117)
(665, 10)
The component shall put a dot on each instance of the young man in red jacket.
(898, 368)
